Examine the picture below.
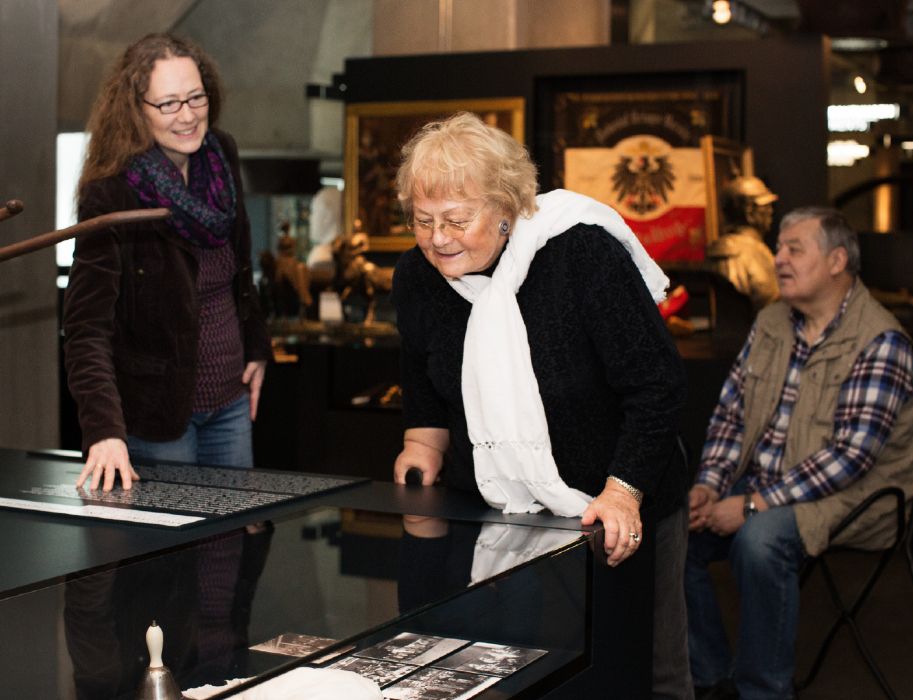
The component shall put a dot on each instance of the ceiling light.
(845, 153)
(722, 12)
(858, 117)
(859, 84)
(857, 43)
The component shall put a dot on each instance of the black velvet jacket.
(131, 317)
(611, 380)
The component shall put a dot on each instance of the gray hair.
(834, 232)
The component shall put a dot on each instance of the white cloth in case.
(301, 684)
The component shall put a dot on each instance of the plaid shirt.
(880, 382)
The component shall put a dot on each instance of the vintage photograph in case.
(414, 649)
(439, 684)
(381, 672)
(490, 659)
(291, 644)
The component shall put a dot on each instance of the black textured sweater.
(611, 380)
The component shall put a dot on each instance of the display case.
(305, 584)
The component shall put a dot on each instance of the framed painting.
(375, 133)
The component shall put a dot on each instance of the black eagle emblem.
(642, 183)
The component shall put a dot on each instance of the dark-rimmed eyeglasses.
(175, 106)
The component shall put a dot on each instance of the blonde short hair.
(450, 156)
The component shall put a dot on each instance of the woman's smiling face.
(179, 134)
(458, 235)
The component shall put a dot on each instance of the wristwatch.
(749, 508)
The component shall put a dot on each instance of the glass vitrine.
(314, 588)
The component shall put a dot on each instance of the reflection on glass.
(439, 557)
(501, 547)
(537, 611)
(200, 597)
(313, 584)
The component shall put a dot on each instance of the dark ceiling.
(872, 34)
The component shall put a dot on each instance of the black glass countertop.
(329, 575)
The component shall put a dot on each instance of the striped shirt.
(879, 384)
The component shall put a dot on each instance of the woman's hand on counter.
(423, 449)
(107, 458)
(619, 513)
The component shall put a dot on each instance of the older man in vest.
(814, 416)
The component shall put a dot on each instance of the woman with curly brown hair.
(165, 346)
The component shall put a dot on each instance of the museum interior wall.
(28, 294)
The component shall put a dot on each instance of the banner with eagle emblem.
(659, 190)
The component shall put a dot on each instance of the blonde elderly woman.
(535, 365)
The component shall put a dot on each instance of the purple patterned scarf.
(203, 210)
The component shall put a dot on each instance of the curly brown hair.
(116, 122)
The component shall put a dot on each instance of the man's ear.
(837, 260)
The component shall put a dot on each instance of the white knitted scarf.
(512, 452)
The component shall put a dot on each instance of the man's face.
(804, 270)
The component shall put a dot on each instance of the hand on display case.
(619, 511)
(423, 450)
(108, 458)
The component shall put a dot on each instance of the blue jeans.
(219, 438)
(765, 555)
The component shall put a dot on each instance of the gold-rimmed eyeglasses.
(455, 225)
(175, 106)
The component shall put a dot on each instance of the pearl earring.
(504, 227)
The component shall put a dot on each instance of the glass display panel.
(327, 582)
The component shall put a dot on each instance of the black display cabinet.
(347, 567)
